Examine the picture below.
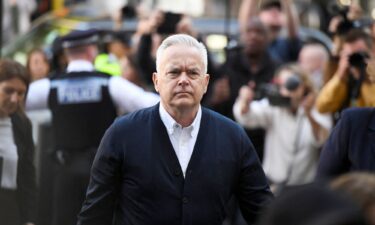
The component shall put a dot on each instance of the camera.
(170, 21)
(346, 24)
(358, 59)
(272, 91)
(128, 12)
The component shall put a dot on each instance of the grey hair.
(185, 40)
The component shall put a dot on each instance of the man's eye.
(173, 72)
(8, 91)
(21, 94)
(193, 73)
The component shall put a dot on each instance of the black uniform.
(82, 110)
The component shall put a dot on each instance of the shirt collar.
(172, 125)
(79, 66)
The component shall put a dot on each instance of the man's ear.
(155, 80)
(207, 79)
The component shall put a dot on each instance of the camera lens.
(357, 59)
(292, 83)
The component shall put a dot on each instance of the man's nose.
(15, 97)
(183, 79)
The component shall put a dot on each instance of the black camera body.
(346, 25)
(358, 59)
(169, 24)
(272, 91)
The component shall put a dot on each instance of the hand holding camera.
(246, 96)
(150, 24)
(343, 66)
(355, 61)
(168, 23)
(370, 70)
(309, 102)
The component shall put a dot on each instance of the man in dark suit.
(176, 162)
(351, 146)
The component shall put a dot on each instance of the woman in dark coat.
(17, 172)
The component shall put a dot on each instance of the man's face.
(312, 58)
(12, 94)
(118, 49)
(39, 66)
(254, 38)
(273, 19)
(181, 80)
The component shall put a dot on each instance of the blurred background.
(28, 24)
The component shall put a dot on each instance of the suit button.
(177, 172)
(185, 200)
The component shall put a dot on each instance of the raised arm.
(128, 97)
(248, 8)
(249, 113)
(291, 16)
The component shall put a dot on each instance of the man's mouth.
(183, 92)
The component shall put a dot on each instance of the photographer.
(294, 130)
(345, 19)
(350, 85)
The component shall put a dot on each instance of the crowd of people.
(147, 128)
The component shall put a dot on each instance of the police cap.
(80, 38)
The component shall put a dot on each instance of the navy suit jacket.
(351, 146)
(136, 177)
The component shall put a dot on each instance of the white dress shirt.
(126, 96)
(182, 138)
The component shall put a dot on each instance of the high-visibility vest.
(107, 63)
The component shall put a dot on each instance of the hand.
(221, 91)
(309, 102)
(148, 26)
(342, 69)
(370, 70)
(185, 26)
(333, 24)
(245, 96)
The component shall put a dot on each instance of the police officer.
(115, 48)
(83, 103)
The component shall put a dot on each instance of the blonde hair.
(298, 71)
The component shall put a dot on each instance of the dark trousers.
(70, 184)
(9, 211)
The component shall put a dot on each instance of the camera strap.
(355, 89)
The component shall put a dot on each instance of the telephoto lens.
(292, 83)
